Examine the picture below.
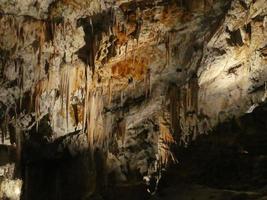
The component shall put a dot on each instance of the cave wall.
(126, 80)
(233, 73)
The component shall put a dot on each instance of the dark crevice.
(94, 27)
(235, 38)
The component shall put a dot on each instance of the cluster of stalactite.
(187, 119)
(166, 140)
(9, 127)
(96, 124)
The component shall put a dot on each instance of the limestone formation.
(123, 83)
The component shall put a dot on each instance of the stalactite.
(53, 29)
(264, 22)
(192, 94)
(64, 29)
(67, 98)
(92, 26)
(126, 47)
(122, 98)
(86, 99)
(61, 89)
(19, 64)
(64, 90)
(165, 140)
(133, 58)
(76, 115)
(88, 124)
(134, 84)
(36, 113)
(53, 108)
(265, 92)
(184, 91)
(41, 38)
(92, 54)
(18, 150)
(147, 83)
(137, 41)
(114, 18)
(21, 87)
(174, 110)
(98, 126)
(158, 38)
(194, 91)
(19, 33)
(110, 91)
(167, 46)
(84, 113)
(40, 87)
(6, 122)
(95, 129)
(183, 121)
(122, 130)
(108, 122)
(189, 120)
(189, 98)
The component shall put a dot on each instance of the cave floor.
(199, 192)
(187, 191)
